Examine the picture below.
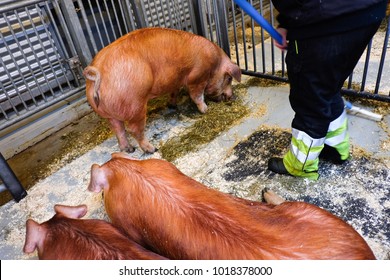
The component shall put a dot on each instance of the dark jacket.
(313, 18)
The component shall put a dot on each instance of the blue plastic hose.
(253, 13)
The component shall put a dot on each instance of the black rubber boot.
(276, 165)
(329, 153)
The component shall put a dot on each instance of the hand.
(283, 32)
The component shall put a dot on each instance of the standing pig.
(151, 62)
(66, 237)
(180, 218)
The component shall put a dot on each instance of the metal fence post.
(11, 182)
(76, 32)
(222, 26)
(197, 12)
(139, 13)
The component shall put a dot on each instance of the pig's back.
(84, 239)
(160, 47)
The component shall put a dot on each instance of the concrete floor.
(236, 162)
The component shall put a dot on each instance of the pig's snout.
(227, 95)
(231, 97)
(224, 95)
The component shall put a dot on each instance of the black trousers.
(317, 69)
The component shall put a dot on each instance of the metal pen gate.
(44, 46)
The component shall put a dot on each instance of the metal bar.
(209, 20)
(60, 39)
(76, 32)
(116, 17)
(111, 24)
(42, 106)
(16, 88)
(216, 22)
(174, 16)
(198, 24)
(139, 13)
(128, 18)
(272, 40)
(59, 62)
(244, 39)
(366, 64)
(35, 55)
(262, 75)
(163, 18)
(222, 27)
(253, 42)
(3, 112)
(367, 95)
(383, 56)
(103, 22)
(23, 54)
(13, 5)
(10, 181)
(64, 28)
(271, 8)
(263, 58)
(7, 95)
(91, 7)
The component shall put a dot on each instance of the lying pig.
(66, 237)
(178, 217)
(152, 62)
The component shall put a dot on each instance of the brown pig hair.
(203, 223)
(67, 238)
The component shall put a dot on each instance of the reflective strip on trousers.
(337, 131)
(338, 136)
(302, 158)
(304, 147)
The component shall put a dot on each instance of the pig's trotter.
(147, 147)
(202, 107)
(271, 197)
(198, 98)
(199, 101)
(120, 132)
(129, 149)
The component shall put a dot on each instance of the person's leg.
(317, 69)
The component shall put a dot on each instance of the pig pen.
(226, 149)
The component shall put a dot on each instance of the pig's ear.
(235, 72)
(98, 180)
(73, 212)
(34, 235)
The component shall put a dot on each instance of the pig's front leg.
(197, 95)
(119, 129)
(172, 103)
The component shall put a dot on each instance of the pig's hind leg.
(137, 129)
(119, 129)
